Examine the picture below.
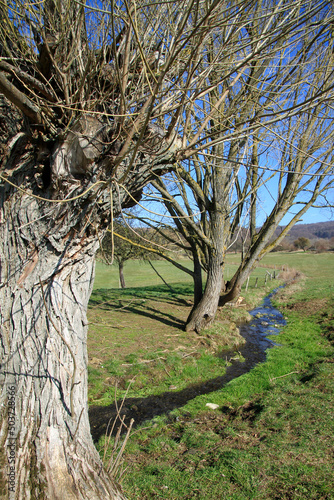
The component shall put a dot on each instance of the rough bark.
(204, 312)
(55, 207)
(197, 277)
(47, 272)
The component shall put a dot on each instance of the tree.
(98, 100)
(302, 243)
(84, 87)
(238, 126)
(125, 244)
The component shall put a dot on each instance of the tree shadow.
(161, 293)
(265, 320)
(158, 315)
(144, 409)
(149, 296)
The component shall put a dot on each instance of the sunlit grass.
(272, 436)
(139, 273)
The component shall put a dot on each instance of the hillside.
(319, 234)
(319, 230)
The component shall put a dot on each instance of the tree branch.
(20, 100)
(30, 80)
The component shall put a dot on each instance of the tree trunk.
(204, 313)
(46, 275)
(232, 292)
(45, 361)
(56, 198)
(121, 274)
(198, 282)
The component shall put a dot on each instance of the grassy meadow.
(271, 436)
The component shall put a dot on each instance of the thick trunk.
(204, 313)
(44, 360)
(46, 280)
(56, 199)
(232, 292)
(121, 274)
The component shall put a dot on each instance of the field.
(131, 328)
(272, 433)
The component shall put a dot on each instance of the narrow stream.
(266, 321)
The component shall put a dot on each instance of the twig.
(77, 427)
(140, 301)
(118, 410)
(144, 361)
(281, 376)
(190, 354)
(105, 324)
(113, 465)
(120, 453)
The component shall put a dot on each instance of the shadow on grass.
(157, 315)
(142, 301)
(159, 293)
(266, 320)
(143, 409)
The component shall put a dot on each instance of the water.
(266, 320)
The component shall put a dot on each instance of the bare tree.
(123, 243)
(266, 109)
(97, 100)
(83, 88)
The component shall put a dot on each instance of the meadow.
(271, 435)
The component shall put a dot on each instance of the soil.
(308, 307)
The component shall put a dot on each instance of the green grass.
(137, 334)
(139, 273)
(272, 435)
(131, 328)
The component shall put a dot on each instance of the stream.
(266, 320)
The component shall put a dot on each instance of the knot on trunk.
(82, 146)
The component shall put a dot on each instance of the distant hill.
(317, 233)
(318, 230)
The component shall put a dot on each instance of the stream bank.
(266, 320)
